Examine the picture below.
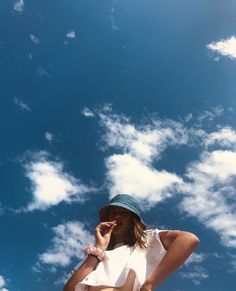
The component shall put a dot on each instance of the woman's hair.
(137, 234)
(141, 237)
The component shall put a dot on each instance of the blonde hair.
(140, 234)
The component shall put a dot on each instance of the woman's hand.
(147, 286)
(103, 234)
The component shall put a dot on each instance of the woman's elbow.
(193, 240)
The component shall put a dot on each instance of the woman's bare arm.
(179, 246)
(86, 268)
(102, 236)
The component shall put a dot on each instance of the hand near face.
(103, 234)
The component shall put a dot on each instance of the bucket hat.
(122, 200)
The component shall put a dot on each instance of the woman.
(126, 256)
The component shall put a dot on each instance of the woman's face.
(123, 218)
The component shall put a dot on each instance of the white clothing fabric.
(114, 269)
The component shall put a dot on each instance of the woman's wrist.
(96, 252)
(147, 286)
(101, 247)
(93, 256)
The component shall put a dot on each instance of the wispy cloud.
(21, 105)
(145, 142)
(3, 284)
(211, 193)
(188, 117)
(113, 23)
(2, 210)
(48, 136)
(195, 258)
(71, 34)
(51, 185)
(34, 39)
(87, 112)
(42, 72)
(62, 279)
(225, 47)
(232, 268)
(112, 17)
(210, 115)
(67, 244)
(19, 6)
(197, 275)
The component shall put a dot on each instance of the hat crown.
(122, 200)
(126, 199)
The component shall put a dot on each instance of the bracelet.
(96, 252)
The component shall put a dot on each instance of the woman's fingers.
(109, 231)
(105, 225)
(103, 233)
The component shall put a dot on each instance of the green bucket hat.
(122, 200)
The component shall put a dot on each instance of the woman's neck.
(119, 240)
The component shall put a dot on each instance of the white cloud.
(19, 6)
(2, 284)
(127, 174)
(195, 258)
(87, 112)
(69, 241)
(196, 276)
(34, 39)
(48, 136)
(211, 193)
(145, 142)
(22, 106)
(225, 47)
(71, 34)
(210, 115)
(51, 185)
(225, 137)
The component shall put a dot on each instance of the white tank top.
(113, 271)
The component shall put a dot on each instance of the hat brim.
(104, 211)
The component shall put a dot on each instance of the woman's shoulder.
(154, 239)
(154, 234)
(151, 234)
(152, 231)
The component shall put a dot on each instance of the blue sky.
(102, 97)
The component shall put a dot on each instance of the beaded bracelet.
(94, 251)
